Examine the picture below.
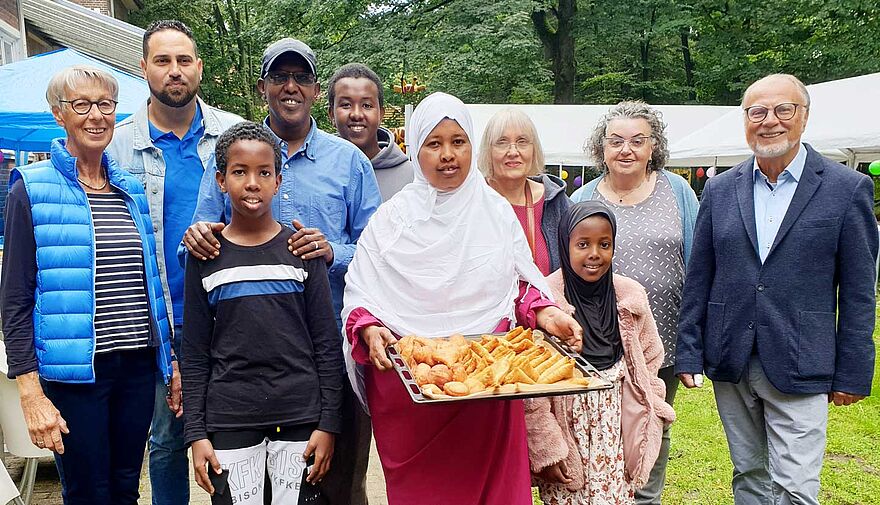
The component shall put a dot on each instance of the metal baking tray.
(415, 392)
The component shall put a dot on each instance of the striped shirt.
(122, 317)
(260, 339)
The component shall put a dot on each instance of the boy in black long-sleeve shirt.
(262, 355)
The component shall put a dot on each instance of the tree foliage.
(536, 51)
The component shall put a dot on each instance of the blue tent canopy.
(26, 122)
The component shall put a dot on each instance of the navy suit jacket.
(821, 264)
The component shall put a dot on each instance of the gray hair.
(500, 121)
(68, 79)
(631, 110)
(788, 77)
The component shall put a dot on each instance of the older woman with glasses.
(84, 318)
(656, 211)
(512, 161)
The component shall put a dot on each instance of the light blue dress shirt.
(327, 184)
(772, 200)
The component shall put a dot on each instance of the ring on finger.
(316, 245)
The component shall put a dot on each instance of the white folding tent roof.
(844, 124)
(563, 129)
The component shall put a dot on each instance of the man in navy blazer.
(778, 302)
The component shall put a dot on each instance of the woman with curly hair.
(656, 211)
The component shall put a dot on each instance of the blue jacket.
(808, 310)
(556, 202)
(64, 301)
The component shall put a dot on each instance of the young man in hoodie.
(357, 105)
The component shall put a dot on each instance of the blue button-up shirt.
(327, 184)
(183, 173)
(772, 200)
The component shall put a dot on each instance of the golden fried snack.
(458, 340)
(517, 375)
(558, 373)
(490, 344)
(421, 373)
(548, 363)
(481, 351)
(474, 385)
(530, 372)
(459, 372)
(498, 370)
(446, 355)
(405, 345)
(440, 374)
(431, 390)
(523, 345)
(423, 354)
(525, 336)
(519, 361)
(455, 388)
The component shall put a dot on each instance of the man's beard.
(774, 150)
(174, 100)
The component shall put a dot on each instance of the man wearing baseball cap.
(328, 192)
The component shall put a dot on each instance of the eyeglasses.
(783, 112)
(301, 78)
(82, 106)
(636, 142)
(503, 145)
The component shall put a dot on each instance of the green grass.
(699, 469)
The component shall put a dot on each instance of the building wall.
(9, 13)
(102, 6)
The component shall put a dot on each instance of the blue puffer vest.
(64, 309)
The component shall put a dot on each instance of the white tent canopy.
(844, 124)
(563, 129)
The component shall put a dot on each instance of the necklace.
(96, 188)
(621, 196)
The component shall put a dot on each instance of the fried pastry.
(440, 374)
(516, 362)
(455, 388)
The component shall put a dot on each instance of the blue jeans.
(169, 465)
(108, 422)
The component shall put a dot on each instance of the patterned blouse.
(650, 250)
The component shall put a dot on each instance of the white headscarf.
(435, 263)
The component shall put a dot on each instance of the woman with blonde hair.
(512, 161)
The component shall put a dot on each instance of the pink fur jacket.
(548, 419)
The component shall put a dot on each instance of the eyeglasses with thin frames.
(783, 111)
(636, 142)
(82, 106)
(301, 78)
(520, 145)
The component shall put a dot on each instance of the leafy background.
(537, 51)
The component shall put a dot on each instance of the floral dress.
(600, 443)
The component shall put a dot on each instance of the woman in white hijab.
(445, 255)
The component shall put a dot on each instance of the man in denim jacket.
(167, 144)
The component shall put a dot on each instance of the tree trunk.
(645, 52)
(558, 45)
(688, 63)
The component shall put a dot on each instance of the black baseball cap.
(288, 45)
